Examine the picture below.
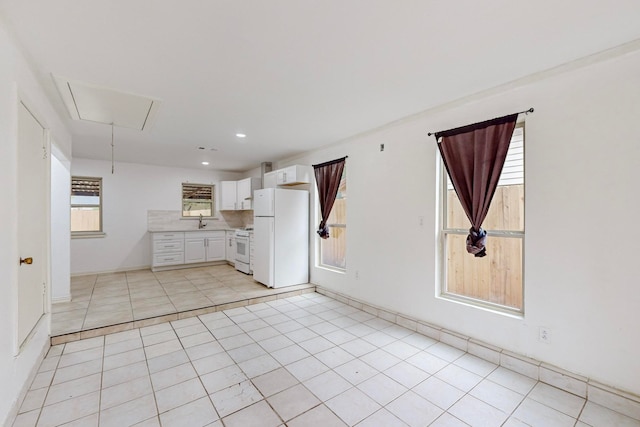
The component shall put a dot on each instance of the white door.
(263, 242)
(32, 219)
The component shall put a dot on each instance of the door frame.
(22, 98)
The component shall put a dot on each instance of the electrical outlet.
(421, 220)
(545, 335)
(357, 274)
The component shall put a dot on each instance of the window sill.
(334, 269)
(207, 218)
(88, 235)
(482, 305)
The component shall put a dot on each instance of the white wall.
(127, 195)
(60, 228)
(17, 82)
(582, 203)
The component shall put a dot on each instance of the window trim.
(213, 201)
(94, 233)
(441, 271)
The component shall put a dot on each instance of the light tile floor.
(303, 361)
(101, 300)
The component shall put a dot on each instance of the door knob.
(26, 261)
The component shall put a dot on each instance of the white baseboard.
(119, 270)
(65, 298)
(617, 400)
(15, 406)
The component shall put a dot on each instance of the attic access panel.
(85, 101)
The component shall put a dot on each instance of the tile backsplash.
(173, 221)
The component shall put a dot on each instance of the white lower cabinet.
(189, 247)
(168, 249)
(204, 246)
(194, 250)
(215, 247)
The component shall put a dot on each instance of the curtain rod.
(530, 110)
(330, 162)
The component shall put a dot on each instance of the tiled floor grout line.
(224, 279)
(126, 277)
(146, 363)
(198, 375)
(352, 385)
(104, 349)
(86, 314)
(48, 389)
(265, 398)
(302, 316)
(584, 405)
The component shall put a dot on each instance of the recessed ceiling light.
(205, 163)
(241, 135)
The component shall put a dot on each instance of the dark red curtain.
(328, 177)
(474, 156)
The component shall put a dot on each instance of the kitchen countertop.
(182, 230)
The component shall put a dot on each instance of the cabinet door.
(228, 195)
(230, 247)
(194, 250)
(281, 177)
(215, 249)
(244, 191)
(296, 174)
(233, 249)
(270, 180)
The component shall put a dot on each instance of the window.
(197, 199)
(86, 205)
(333, 250)
(495, 280)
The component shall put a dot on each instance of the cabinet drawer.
(220, 234)
(168, 246)
(168, 258)
(168, 236)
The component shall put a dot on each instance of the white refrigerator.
(281, 237)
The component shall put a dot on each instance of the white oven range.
(242, 251)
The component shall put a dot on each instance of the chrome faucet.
(201, 225)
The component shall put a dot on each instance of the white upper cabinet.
(292, 175)
(228, 195)
(237, 195)
(245, 190)
(270, 179)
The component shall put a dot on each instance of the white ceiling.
(294, 74)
